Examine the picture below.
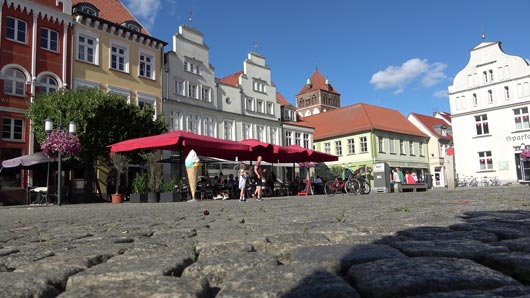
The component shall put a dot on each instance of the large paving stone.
(511, 292)
(281, 244)
(219, 269)
(520, 244)
(443, 233)
(26, 284)
(286, 281)
(140, 287)
(339, 258)
(401, 277)
(467, 249)
(503, 230)
(516, 265)
(130, 266)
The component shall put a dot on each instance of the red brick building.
(35, 55)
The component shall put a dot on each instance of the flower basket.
(60, 141)
(525, 154)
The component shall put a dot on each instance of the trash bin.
(381, 177)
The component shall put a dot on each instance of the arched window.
(47, 84)
(14, 82)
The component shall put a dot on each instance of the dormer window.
(87, 8)
(132, 25)
(443, 130)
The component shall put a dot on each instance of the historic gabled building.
(489, 101)
(363, 134)
(294, 132)
(35, 43)
(317, 95)
(114, 53)
(440, 139)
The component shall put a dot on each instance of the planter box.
(166, 197)
(138, 198)
(153, 197)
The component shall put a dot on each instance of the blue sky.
(396, 54)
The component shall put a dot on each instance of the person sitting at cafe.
(318, 185)
(409, 178)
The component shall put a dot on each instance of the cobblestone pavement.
(464, 243)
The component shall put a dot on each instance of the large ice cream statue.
(193, 167)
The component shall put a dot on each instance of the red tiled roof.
(232, 79)
(358, 118)
(431, 122)
(282, 100)
(113, 11)
(299, 123)
(318, 82)
(446, 116)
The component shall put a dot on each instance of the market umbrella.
(317, 156)
(26, 161)
(256, 147)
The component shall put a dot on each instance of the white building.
(489, 102)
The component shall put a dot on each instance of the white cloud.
(441, 94)
(398, 77)
(144, 10)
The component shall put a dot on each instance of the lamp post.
(48, 128)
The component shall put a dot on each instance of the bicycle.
(359, 182)
(332, 187)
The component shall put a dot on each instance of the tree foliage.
(101, 118)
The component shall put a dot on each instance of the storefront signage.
(518, 138)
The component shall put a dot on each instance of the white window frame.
(210, 126)
(273, 138)
(120, 91)
(363, 144)
(351, 146)
(194, 123)
(422, 149)
(490, 96)
(14, 82)
(481, 121)
(338, 148)
(521, 118)
(259, 86)
(49, 39)
(87, 46)
(14, 127)
(412, 152)
(246, 131)
(180, 87)
(119, 55)
(381, 144)
(175, 120)
(485, 160)
(270, 108)
(327, 147)
(306, 140)
(229, 130)
(249, 104)
(206, 93)
(193, 90)
(297, 138)
(288, 138)
(148, 99)
(260, 106)
(392, 145)
(260, 133)
(506, 93)
(19, 34)
(192, 67)
(46, 86)
(147, 65)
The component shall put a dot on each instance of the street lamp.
(48, 128)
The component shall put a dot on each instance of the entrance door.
(523, 168)
(438, 181)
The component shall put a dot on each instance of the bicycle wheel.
(331, 188)
(365, 188)
(352, 187)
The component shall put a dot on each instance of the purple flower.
(61, 141)
(525, 154)
(308, 164)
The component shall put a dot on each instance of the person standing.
(242, 185)
(259, 175)
(401, 176)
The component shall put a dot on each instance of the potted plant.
(139, 189)
(120, 163)
(154, 176)
(168, 191)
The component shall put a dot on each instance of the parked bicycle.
(359, 182)
(337, 185)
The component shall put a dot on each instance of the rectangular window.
(490, 96)
(247, 131)
(475, 100)
(192, 67)
(14, 82)
(16, 30)
(363, 142)
(192, 90)
(259, 86)
(351, 146)
(229, 130)
(481, 123)
(194, 122)
(381, 144)
(260, 133)
(260, 106)
(306, 140)
(86, 49)
(270, 108)
(491, 74)
(205, 94)
(485, 77)
(119, 58)
(402, 147)
(485, 160)
(12, 129)
(209, 126)
(175, 120)
(506, 93)
(288, 138)
(250, 104)
(422, 149)
(179, 88)
(327, 148)
(297, 140)
(411, 148)
(146, 66)
(49, 39)
(338, 148)
(392, 144)
(521, 118)
(273, 138)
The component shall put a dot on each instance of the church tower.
(316, 96)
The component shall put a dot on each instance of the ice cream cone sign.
(193, 167)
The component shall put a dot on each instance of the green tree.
(101, 118)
